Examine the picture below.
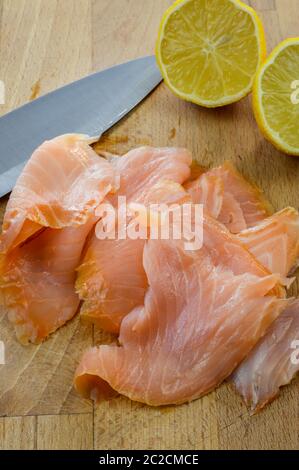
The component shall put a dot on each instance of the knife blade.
(90, 106)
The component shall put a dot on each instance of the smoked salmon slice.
(209, 191)
(111, 289)
(143, 167)
(273, 362)
(49, 215)
(229, 198)
(37, 281)
(111, 280)
(60, 186)
(203, 312)
(275, 241)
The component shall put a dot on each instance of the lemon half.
(209, 51)
(276, 97)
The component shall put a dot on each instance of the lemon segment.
(276, 97)
(209, 51)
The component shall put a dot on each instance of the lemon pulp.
(209, 50)
(276, 97)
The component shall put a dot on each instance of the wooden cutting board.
(45, 44)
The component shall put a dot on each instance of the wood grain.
(45, 44)
(262, 5)
(38, 379)
(65, 432)
(123, 424)
(18, 433)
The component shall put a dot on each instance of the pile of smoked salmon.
(184, 320)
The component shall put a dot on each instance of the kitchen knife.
(88, 106)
